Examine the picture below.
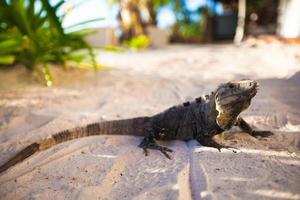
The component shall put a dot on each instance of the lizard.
(200, 119)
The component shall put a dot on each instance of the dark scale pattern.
(25, 153)
(93, 129)
(62, 136)
(184, 122)
(186, 103)
(198, 100)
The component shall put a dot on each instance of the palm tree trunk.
(130, 20)
(152, 13)
(239, 33)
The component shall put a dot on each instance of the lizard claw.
(148, 143)
(233, 149)
(166, 154)
(262, 133)
(167, 149)
(164, 150)
(146, 151)
(221, 146)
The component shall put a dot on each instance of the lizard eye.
(231, 85)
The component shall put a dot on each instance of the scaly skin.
(200, 119)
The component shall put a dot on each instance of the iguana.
(200, 119)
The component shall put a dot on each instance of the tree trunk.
(130, 20)
(239, 33)
(152, 13)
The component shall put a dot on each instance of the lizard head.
(231, 99)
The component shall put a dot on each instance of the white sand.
(113, 167)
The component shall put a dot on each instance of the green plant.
(190, 30)
(31, 33)
(138, 42)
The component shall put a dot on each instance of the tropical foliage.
(138, 42)
(135, 15)
(31, 33)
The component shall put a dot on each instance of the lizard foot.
(220, 146)
(149, 143)
(211, 143)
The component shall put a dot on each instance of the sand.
(144, 83)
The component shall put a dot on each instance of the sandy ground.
(137, 84)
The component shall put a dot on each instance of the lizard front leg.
(209, 142)
(244, 126)
(149, 143)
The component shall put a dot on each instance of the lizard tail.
(25, 153)
(133, 126)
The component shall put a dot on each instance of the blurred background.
(68, 33)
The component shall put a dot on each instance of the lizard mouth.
(254, 90)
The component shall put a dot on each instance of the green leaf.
(138, 42)
(9, 46)
(85, 22)
(7, 59)
(59, 4)
(54, 20)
